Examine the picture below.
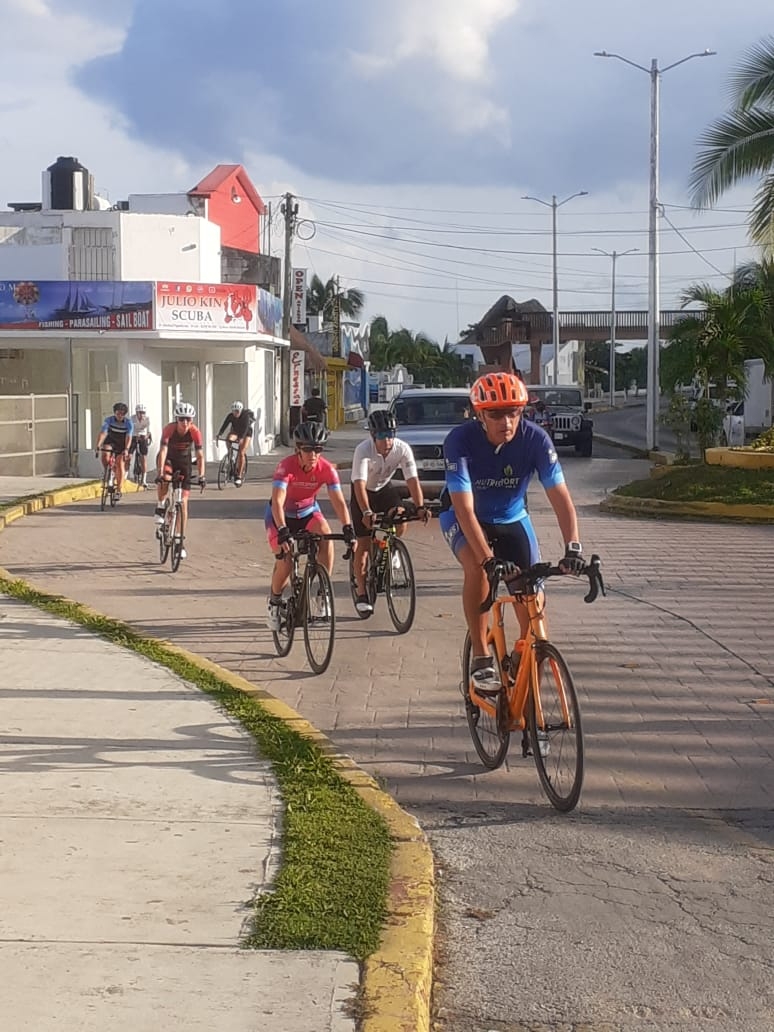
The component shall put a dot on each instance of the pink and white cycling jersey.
(302, 486)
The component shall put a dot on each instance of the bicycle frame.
(517, 690)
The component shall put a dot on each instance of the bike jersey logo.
(552, 456)
(506, 482)
(508, 471)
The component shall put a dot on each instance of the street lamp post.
(553, 204)
(654, 312)
(614, 255)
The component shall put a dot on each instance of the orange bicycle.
(537, 696)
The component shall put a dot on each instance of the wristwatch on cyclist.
(368, 512)
(573, 548)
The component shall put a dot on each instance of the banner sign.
(296, 378)
(75, 305)
(269, 313)
(298, 306)
(206, 307)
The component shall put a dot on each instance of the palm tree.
(740, 145)
(320, 297)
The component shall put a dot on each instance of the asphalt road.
(650, 907)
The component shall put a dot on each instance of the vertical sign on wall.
(298, 315)
(296, 378)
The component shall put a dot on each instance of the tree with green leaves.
(320, 297)
(422, 357)
(740, 145)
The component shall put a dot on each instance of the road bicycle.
(170, 533)
(308, 601)
(135, 471)
(538, 695)
(229, 464)
(389, 570)
(109, 493)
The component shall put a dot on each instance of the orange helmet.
(498, 391)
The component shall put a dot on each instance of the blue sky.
(410, 138)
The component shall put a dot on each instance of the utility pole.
(553, 204)
(289, 209)
(336, 336)
(614, 255)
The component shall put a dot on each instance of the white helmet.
(140, 408)
(236, 406)
(184, 408)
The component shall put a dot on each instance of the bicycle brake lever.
(595, 579)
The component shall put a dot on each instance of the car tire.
(585, 448)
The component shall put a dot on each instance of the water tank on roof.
(67, 186)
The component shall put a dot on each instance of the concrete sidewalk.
(137, 824)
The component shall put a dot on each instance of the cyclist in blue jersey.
(116, 435)
(490, 461)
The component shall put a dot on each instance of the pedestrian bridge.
(595, 325)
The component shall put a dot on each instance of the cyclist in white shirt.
(375, 462)
(141, 440)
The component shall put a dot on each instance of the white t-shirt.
(378, 470)
(141, 425)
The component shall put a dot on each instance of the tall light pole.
(553, 204)
(654, 302)
(614, 255)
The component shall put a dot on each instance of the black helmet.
(382, 421)
(310, 433)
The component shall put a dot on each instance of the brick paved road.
(677, 685)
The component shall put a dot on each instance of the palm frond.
(753, 82)
(762, 216)
(736, 146)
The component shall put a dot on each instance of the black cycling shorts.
(383, 500)
(139, 444)
(185, 468)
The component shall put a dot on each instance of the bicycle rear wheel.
(400, 587)
(557, 739)
(489, 731)
(223, 472)
(370, 586)
(176, 537)
(283, 637)
(319, 619)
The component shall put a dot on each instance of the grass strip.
(331, 889)
(704, 483)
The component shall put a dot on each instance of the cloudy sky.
(409, 132)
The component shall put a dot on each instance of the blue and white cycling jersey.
(115, 429)
(498, 477)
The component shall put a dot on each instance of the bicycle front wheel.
(283, 636)
(400, 587)
(319, 619)
(163, 536)
(176, 537)
(105, 494)
(555, 730)
(223, 472)
(488, 726)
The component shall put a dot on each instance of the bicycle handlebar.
(526, 581)
(391, 518)
(310, 535)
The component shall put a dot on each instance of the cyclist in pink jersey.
(294, 507)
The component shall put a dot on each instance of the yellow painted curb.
(397, 978)
(52, 499)
(626, 506)
(739, 458)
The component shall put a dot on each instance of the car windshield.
(556, 397)
(427, 411)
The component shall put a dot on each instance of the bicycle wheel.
(400, 587)
(244, 471)
(489, 731)
(557, 743)
(319, 619)
(283, 637)
(176, 538)
(370, 586)
(223, 472)
(105, 493)
(164, 539)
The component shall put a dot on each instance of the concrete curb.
(622, 505)
(397, 978)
